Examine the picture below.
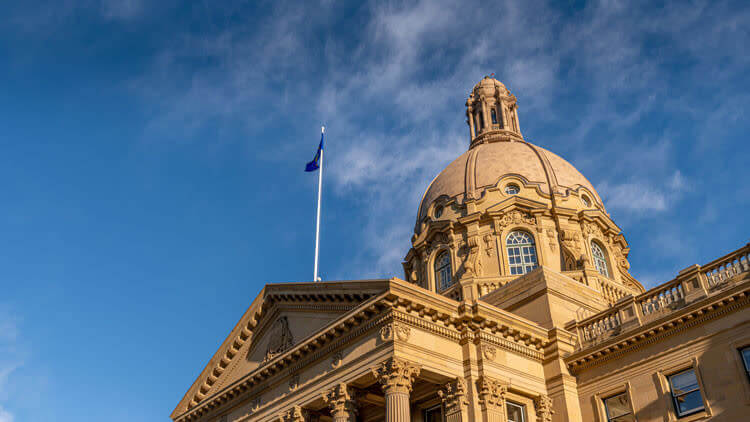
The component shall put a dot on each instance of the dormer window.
(493, 113)
(512, 189)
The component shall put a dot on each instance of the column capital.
(491, 392)
(340, 400)
(543, 404)
(396, 375)
(294, 415)
(453, 395)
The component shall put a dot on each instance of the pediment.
(281, 316)
(516, 203)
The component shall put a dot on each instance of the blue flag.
(315, 163)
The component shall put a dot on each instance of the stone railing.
(691, 284)
(611, 291)
(717, 272)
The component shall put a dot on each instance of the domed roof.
(483, 166)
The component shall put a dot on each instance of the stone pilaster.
(396, 377)
(454, 400)
(491, 399)
(342, 404)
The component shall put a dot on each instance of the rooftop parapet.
(690, 286)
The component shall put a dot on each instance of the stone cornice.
(401, 303)
(672, 323)
(316, 295)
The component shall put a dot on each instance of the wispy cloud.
(10, 357)
(593, 84)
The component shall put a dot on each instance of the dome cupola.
(492, 113)
(506, 207)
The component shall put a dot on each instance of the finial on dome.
(492, 113)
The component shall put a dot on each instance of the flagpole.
(317, 222)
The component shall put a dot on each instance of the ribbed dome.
(484, 165)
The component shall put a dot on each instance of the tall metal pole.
(320, 188)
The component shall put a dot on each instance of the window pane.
(433, 415)
(683, 382)
(689, 403)
(617, 406)
(515, 412)
(746, 358)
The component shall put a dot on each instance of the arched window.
(443, 271)
(600, 259)
(521, 252)
(500, 120)
(493, 114)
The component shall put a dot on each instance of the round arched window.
(512, 189)
(438, 211)
(521, 252)
(443, 272)
(600, 259)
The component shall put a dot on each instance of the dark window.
(500, 120)
(434, 414)
(493, 114)
(686, 393)
(745, 353)
(516, 412)
(443, 271)
(618, 408)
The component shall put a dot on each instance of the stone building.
(516, 305)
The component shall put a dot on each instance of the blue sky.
(152, 154)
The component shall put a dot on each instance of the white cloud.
(5, 416)
(121, 9)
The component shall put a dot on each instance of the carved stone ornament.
(489, 352)
(543, 406)
(515, 217)
(295, 415)
(279, 338)
(337, 359)
(552, 241)
(571, 245)
(472, 264)
(293, 382)
(255, 404)
(453, 395)
(491, 392)
(340, 400)
(489, 244)
(396, 375)
(401, 331)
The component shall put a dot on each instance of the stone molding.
(396, 375)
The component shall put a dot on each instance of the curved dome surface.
(483, 166)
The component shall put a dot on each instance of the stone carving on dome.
(571, 244)
(279, 338)
(472, 263)
(514, 217)
(489, 244)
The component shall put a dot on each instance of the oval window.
(438, 211)
(586, 201)
(512, 189)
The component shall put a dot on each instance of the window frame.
(604, 399)
(599, 405)
(521, 253)
(603, 259)
(438, 270)
(512, 186)
(674, 397)
(745, 364)
(508, 403)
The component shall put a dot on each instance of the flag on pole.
(315, 163)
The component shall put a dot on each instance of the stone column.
(454, 400)
(396, 377)
(491, 399)
(342, 404)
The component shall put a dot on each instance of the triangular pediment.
(516, 203)
(282, 315)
